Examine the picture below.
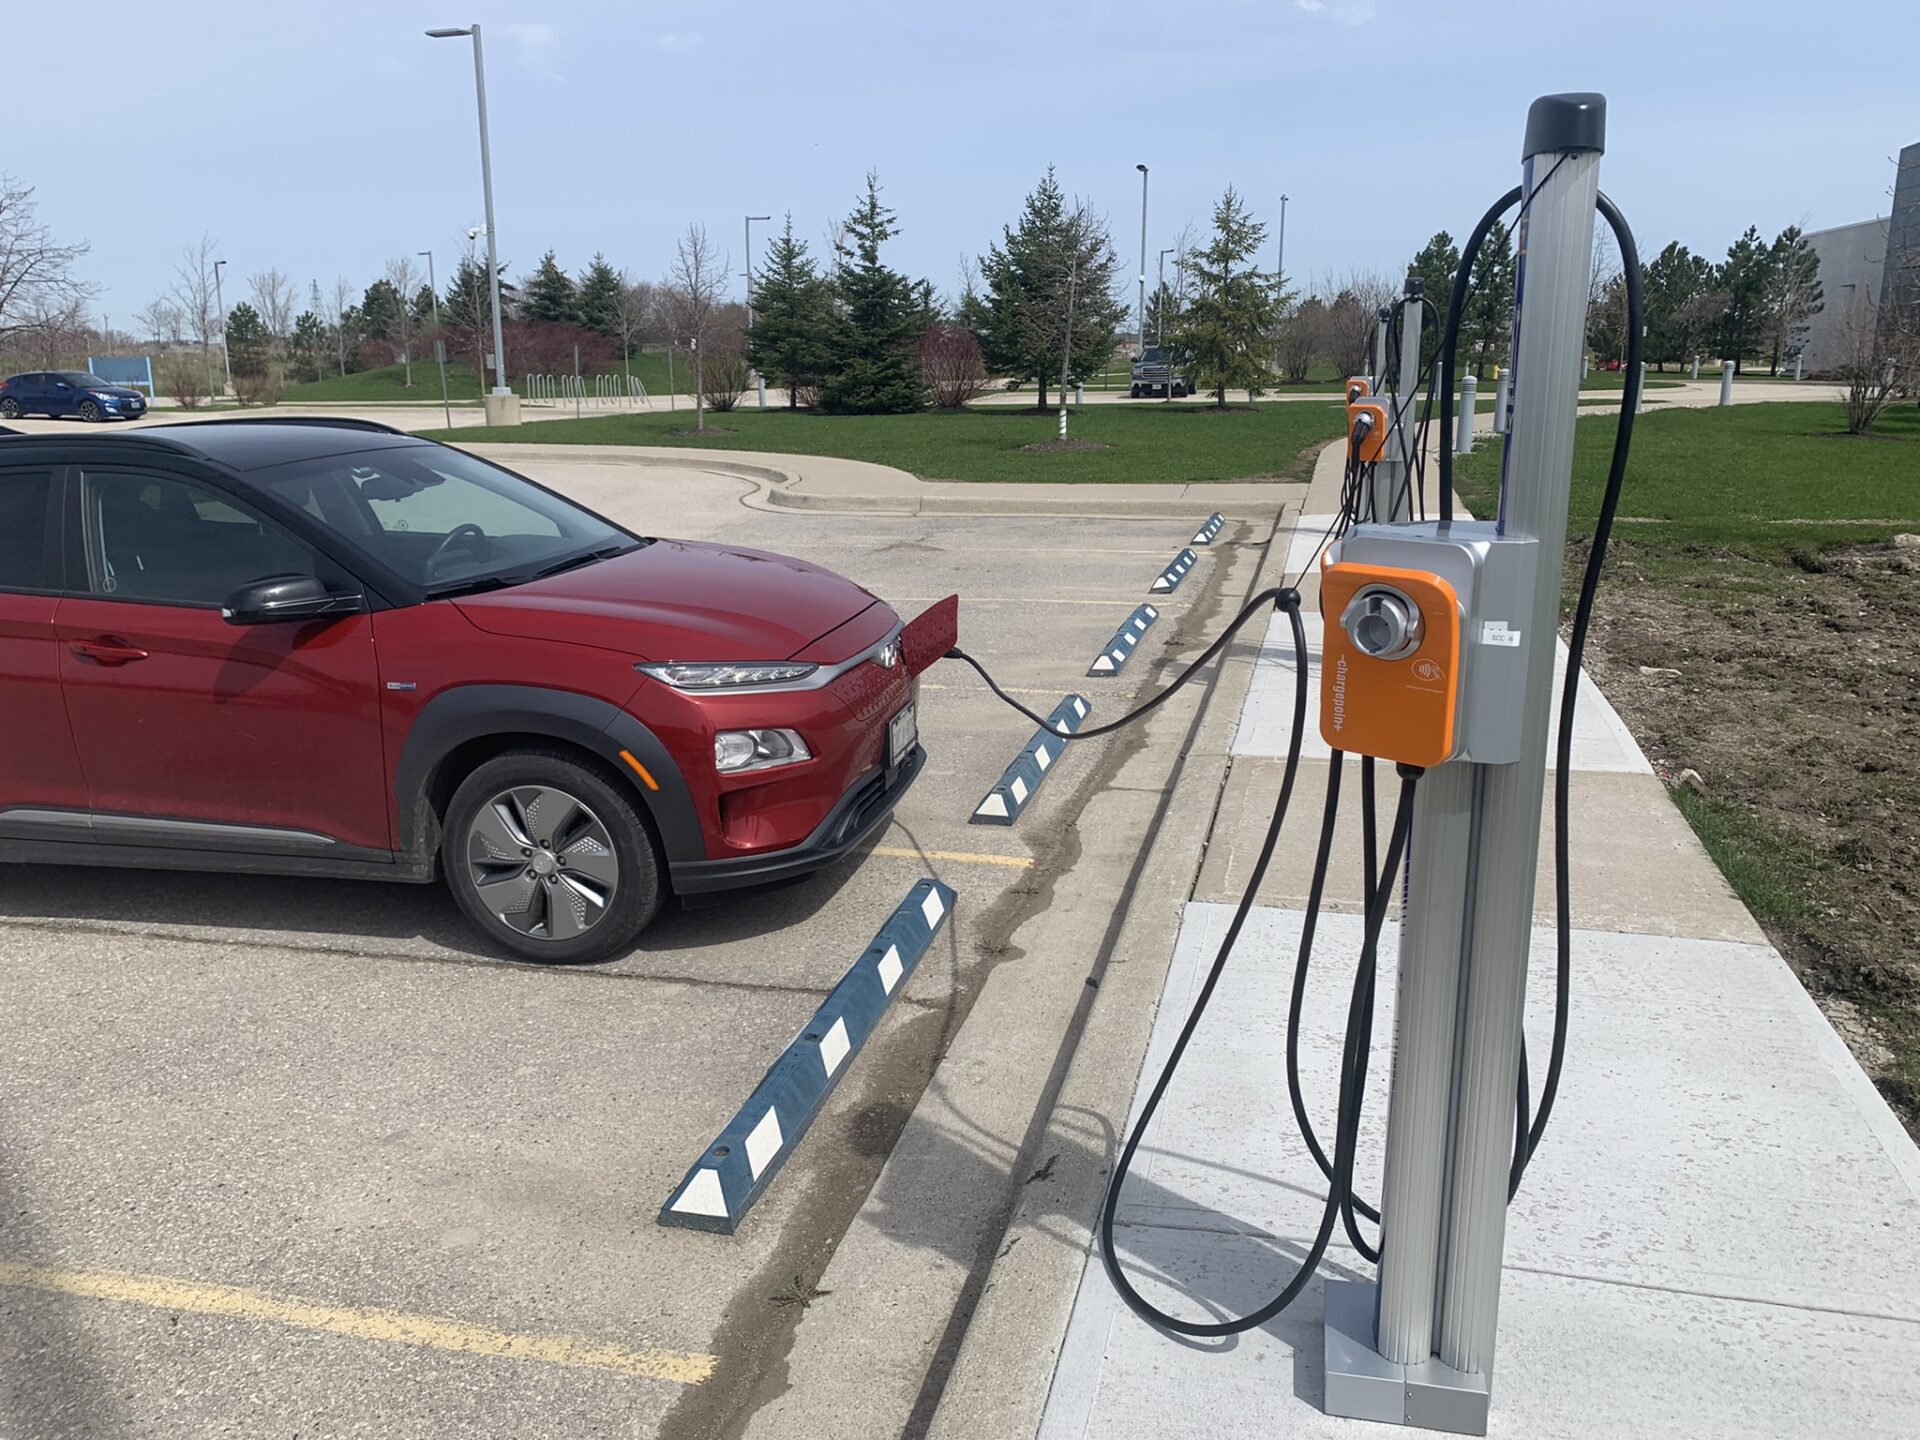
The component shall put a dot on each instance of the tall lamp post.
(1160, 298)
(439, 343)
(1143, 255)
(747, 274)
(500, 386)
(1280, 259)
(219, 299)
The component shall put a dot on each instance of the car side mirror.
(279, 598)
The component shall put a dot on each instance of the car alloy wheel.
(89, 411)
(9, 409)
(542, 862)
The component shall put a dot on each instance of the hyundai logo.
(889, 655)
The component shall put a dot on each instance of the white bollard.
(1080, 391)
(1501, 374)
(1726, 382)
(1583, 367)
(1694, 374)
(1799, 363)
(1640, 400)
(1463, 445)
(762, 386)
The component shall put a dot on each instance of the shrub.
(724, 371)
(183, 379)
(951, 358)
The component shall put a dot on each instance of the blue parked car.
(54, 393)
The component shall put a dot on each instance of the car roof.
(238, 444)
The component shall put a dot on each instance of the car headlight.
(738, 750)
(727, 676)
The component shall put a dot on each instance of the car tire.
(552, 909)
(9, 409)
(90, 412)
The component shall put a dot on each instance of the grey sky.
(323, 138)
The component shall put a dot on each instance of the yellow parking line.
(361, 1322)
(958, 857)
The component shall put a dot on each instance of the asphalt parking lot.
(301, 1157)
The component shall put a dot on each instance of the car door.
(59, 395)
(194, 731)
(33, 395)
(41, 781)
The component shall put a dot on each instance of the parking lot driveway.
(303, 1157)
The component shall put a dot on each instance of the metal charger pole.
(1418, 1348)
(1392, 499)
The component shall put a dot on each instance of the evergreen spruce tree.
(1050, 292)
(598, 300)
(1233, 305)
(1792, 296)
(425, 306)
(549, 294)
(1486, 325)
(380, 310)
(1435, 266)
(881, 314)
(791, 341)
(1743, 276)
(248, 343)
(1678, 283)
(308, 347)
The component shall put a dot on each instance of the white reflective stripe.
(703, 1196)
(1019, 788)
(890, 968)
(933, 907)
(763, 1143)
(1080, 706)
(834, 1046)
(1042, 759)
(992, 805)
(1103, 665)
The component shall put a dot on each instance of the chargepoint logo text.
(1340, 694)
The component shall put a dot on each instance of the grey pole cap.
(1565, 122)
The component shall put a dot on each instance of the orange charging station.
(1390, 677)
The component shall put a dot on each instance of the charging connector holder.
(1369, 422)
(1423, 656)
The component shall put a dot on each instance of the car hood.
(678, 600)
(118, 392)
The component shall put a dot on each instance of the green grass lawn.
(1156, 444)
(1617, 380)
(1765, 482)
(387, 384)
(1754, 625)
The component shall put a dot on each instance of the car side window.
(23, 529)
(154, 538)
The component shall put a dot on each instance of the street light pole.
(747, 274)
(439, 343)
(219, 299)
(1160, 298)
(500, 386)
(1280, 259)
(1143, 255)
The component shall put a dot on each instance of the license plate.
(902, 731)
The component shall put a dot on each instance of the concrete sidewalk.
(1714, 1240)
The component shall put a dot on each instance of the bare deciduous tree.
(195, 295)
(406, 279)
(339, 317)
(162, 321)
(273, 298)
(695, 282)
(722, 369)
(1879, 358)
(37, 283)
(1353, 303)
(634, 309)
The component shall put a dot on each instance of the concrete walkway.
(1714, 1239)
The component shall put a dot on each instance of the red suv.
(330, 648)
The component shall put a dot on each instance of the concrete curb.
(732, 1173)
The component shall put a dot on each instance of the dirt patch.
(1057, 446)
(1797, 699)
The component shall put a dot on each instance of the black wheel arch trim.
(473, 712)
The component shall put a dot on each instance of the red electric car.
(330, 648)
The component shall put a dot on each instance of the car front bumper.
(861, 811)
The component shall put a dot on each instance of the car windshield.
(1150, 356)
(84, 380)
(444, 520)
